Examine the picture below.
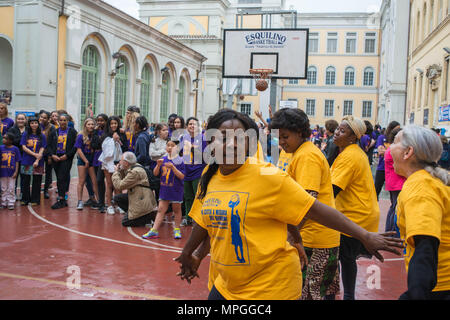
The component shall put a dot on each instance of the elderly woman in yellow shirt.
(355, 195)
(423, 213)
(244, 208)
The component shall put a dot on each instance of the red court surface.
(43, 251)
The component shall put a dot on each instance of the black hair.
(29, 131)
(369, 127)
(181, 120)
(192, 118)
(46, 112)
(141, 121)
(9, 136)
(173, 115)
(108, 132)
(214, 122)
(294, 120)
(104, 117)
(391, 126)
(390, 138)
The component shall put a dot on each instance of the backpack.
(150, 177)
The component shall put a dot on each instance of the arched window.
(431, 17)
(424, 21)
(368, 76)
(89, 79)
(330, 78)
(349, 76)
(181, 97)
(146, 89)
(121, 87)
(312, 75)
(165, 97)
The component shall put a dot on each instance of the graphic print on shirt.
(224, 214)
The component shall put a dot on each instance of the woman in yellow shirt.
(245, 207)
(423, 213)
(309, 168)
(355, 195)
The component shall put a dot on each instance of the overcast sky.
(131, 7)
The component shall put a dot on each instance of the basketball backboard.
(285, 51)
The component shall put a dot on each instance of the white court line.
(152, 242)
(95, 236)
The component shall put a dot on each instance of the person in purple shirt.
(381, 146)
(193, 143)
(9, 169)
(5, 122)
(171, 170)
(85, 163)
(33, 144)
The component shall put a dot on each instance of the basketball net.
(262, 77)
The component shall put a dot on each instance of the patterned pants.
(321, 275)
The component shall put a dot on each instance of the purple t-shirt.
(85, 147)
(131, 140)
(61, 143)
(171, 187)
(32, 142)
(10, 158)
(5, 124)
(381, 141)
(365, 141)
(193, 159)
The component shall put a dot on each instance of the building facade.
(343, 67)
(66, 55)
(394, 25)
(428, 95)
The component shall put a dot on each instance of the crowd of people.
(316, 200)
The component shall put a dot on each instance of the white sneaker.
(80, 205)
(119, 210)
(110, 210)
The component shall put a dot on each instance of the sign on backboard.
(285, 51)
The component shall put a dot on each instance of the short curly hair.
(294, 120)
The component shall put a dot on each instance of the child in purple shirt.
(9, 169)
(33, 143)
(172, 171)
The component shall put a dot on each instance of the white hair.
(130, 157)
(427, 148)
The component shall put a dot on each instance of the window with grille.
(165, 96)
(368, 77)
(146, 90)
(332, 42)
(312, 75)
(310, 107)
(89, 80)
(293, 81)
(121, 87)
(246, 108)
(350, 42)
(329, 108)
(313, 42)
(367, 109)
(330, 77)
(348, 108)
(349, 76)
(370, 41)
(181, 97)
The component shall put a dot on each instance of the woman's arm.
(422, 269)
(373, 242)
(82, 156)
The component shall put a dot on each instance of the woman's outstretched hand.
(375, 242)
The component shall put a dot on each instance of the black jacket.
(52, 143)
(17, 137)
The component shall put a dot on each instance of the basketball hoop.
(261, 77)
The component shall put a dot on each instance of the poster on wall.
(444, 113)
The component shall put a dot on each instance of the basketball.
(261, 85)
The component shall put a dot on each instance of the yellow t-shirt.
(284, 160)
(358, 199)
(311, 170)
(423, 208)
(246, 214)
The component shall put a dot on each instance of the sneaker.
(11, 207)
(95, 205)
(119, 210)
(59, 204)
(80, 205)
(102, 209)
(152, 234)
(176, 233)
(66, 197)
(110, 210)
(46, 195)
(89, 203)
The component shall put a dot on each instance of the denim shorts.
(89, 157)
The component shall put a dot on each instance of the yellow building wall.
(426, 49)
(203, 21)
(7, 21)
